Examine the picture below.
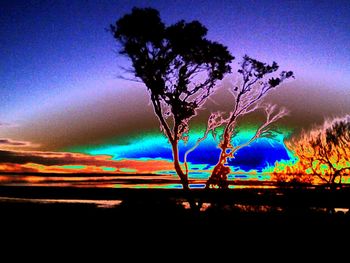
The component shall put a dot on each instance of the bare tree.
(255, 85)
(324, 151)
(178, 65)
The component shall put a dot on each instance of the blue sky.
(58, 65)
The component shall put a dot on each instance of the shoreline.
(244, 212)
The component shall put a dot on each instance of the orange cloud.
(64, 162)
(9, 144)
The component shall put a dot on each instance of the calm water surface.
(151, 181)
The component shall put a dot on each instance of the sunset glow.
(71, 106)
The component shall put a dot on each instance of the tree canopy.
(324, 151)
(257, 80)
(177, 63)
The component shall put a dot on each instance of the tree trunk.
(335, 175)
(219, 175)
(180, 173)
(183, 177)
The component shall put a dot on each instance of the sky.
(60, 91)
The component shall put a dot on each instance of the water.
(151, 181)
(133, 181)
(96, 189)
(97, 203)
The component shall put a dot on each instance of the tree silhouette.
(324, 151)
(178, 65)
(254, 87)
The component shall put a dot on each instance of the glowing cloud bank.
(261, 154)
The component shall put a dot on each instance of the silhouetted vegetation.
(255, 85)
(178, 65)
(323, 152)
(226, 211)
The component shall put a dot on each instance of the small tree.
(178, 65)
(325, 151)
(255, 85)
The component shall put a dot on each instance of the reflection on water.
(98, 203)
(153, 181)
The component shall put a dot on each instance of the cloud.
(52, 158)
(62, 162)
(16, 168)
(9, 144)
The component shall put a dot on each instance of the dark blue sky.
(56, 56)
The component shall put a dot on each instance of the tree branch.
(158, 111)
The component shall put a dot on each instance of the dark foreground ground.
(140, 225)
(283, 224)
(169, 216)
(256, 212)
